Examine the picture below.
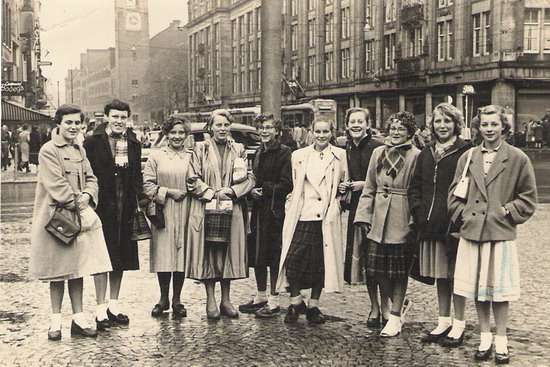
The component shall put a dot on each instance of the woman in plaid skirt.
(383, 214)
(501, 193)
(312, 254)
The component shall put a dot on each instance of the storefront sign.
(13, 88)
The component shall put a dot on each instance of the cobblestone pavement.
(343, 341)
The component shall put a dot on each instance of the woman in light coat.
(165, 182)
(66, 179)
(501, 194)
(384, 218)
(313, 239)
(218, 172)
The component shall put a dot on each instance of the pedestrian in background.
(384, 218)
(6, 142)
(115, 156)
(359, 148)
(165, 182)
(501, 194)
(35, 142)
(24, 138)
(428, 191)
(218, 178)
(273, 172)
(313, 242)
(66, 179)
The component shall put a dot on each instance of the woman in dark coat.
(359, 151)
(435, 169)
(273, 172)
(34, 146)
(115, 155)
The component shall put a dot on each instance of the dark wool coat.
(429, 190)
(123, 251)
(273, 171)
(358, 157)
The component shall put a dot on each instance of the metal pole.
(271, 53)
(71, 72)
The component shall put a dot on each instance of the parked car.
(244, 134)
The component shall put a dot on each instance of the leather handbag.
(65, 224)
(461, 189)
(140, 228)
(155, 214)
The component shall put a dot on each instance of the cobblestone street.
(194, 341)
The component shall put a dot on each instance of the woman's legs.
(179, 278)
(57, 289)
(100, 282)
(261, 278)
(444, 295)
(210, 287)
(484, 316)
(399, 288)
(273, 274)
(164, 285)
(372, 289)
(500, 312)
(76, 287)
(225, 285)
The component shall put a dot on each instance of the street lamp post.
(271, 52)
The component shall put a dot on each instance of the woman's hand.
(226, 193)
(176, 194)
(343, 186)
(256, 193)
(83, 201)
(357, 185)
(365, 229)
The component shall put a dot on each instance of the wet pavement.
(195, 341)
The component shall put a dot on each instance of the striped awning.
(12, 112)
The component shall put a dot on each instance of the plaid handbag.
(217, 221)
(140, 228)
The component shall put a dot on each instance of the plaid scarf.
(121, 149)
(392, 158)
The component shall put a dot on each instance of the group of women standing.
(403, 205)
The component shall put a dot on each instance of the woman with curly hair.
(383, 214)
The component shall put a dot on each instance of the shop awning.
(12, 112)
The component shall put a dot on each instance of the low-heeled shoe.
(158, 310)
(54, 335)
(267, 312)
(434, 338)
(119, 319)
(179, 311)
(483, 355)
(501, 358)
(452, 342)
(251, 307)
(384, 321)
(229, 311)
(213, 315)
(294, 311)
(102, 325)
(315, 316)
(78, 330)
(373, 322)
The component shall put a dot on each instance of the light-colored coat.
(510, 181)
(384, 202)
(333, 234)
(205, 180)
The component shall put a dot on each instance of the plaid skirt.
(305, 265)
(389, 260)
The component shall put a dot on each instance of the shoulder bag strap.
(470, 153)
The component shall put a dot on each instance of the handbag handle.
(76, 210)
(465, 171)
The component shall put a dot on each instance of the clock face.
(133, 21)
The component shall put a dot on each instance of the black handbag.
(140, 228)
(414, 269)
(155, 213)
(65, 224)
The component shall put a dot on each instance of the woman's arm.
(244, 187)
(51, 177)
(525, 201)
(91, 187)
(151, 189)
(415, 190)
(195, 183)
(283, 186)
(365, 208)
(455, 205)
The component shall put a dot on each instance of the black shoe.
(483, 355)
(374, 322)
(293, 312)
(229, 311)
(158, 310)
(54, 335)
(452, 342)
(434, 338)
(102, 325)
(119, 319)
(251, 307)
(77, 330)
(315, 316)
(501, 358)
(267, 312)
(179, 311)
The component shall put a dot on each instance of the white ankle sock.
(443, 323)
(260, 297)
(273, 301)
(113, 306)
(55, 321)
(458, 329)
(501, 344)
(486, 341)
(313, 303)
(101, 311)
(296, 300)
(80, 319)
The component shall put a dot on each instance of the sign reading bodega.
(13, 88)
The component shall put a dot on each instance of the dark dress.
(358, 161)
(272, 168)
(34, 147)
(119, 190)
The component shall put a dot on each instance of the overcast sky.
(69, 27)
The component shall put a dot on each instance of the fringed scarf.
(121, 149)
(392, 158)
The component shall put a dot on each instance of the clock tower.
(131, 55)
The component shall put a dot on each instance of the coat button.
(477, 201)
(385, 195)
(482, 213)
(474, 214)
(318, 215)
(319, 199)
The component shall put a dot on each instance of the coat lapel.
(213, 158)
(476, 169)
(498, 164)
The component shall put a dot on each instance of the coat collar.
(366, 139)
(498, 163)
(476, 166)
(457, 145)
(101, 130)
(304, 153)
(59, 141)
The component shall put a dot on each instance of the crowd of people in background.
(415, 201)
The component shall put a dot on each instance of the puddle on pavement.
(13, 317)
(11, 278)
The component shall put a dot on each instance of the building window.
(294, 68)
(444, 3)
(293, 7)
(258, 49)
(450, 40)
(251, 81)
(243, 81)
(414, 42)
(234, 29)
(311, 32)
(445, 41)
(134, 82)
(390, 11)
(531, 31)
(258, 19)
(311, 4)
(312, 68)
(329, 66)
(389, 51)
(235, 83)
(345, 62)
(369, 56)
(217, 33)
(345, 22)
(329, 23)
(235, 56)
(368, 14)
(259, 79)
(241, 54)
(481, 34)
(294, 37)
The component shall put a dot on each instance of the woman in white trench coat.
(313, 242)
